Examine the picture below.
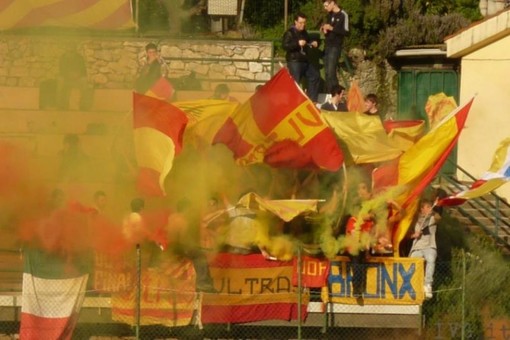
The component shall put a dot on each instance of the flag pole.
(138, 289)
(137, 16)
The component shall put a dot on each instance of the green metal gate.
(415, 86)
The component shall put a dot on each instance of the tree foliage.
(378, 26)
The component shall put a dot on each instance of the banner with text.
(395, 281)
(250, 288)
(167, 297)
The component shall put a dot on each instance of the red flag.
(280, 126)
(158, 131)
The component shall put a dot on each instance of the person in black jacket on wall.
(297, 44)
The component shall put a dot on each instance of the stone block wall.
(25, 61)
(113, 63)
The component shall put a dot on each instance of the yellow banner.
(167, 297)
(390, 281)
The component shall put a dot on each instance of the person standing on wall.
(335, 29)
(297, 44)
(153, 68)
(72, 73)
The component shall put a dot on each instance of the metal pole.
(241, 14)
(137, 16)
(496, 226)
(138, 289)
(299, 266)
(463, 326)
(285, 14)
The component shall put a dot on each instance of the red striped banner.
(94, 14)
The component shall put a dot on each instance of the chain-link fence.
(253, 297)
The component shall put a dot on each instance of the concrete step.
(116, 100)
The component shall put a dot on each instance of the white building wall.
(485, 72)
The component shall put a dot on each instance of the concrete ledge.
(116, 100)
(98, 310)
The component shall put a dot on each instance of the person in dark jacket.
(297, 44)
(335, 29)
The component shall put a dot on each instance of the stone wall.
(381, 79)
(113, 63)
(25, 61)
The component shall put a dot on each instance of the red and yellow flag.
(364, 136)
(205, 118)
(280, 126)
(92, 14)
(418, 166)
(158, 133)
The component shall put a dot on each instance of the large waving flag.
(416, 168)
(205, 118)
(158, 133)
(52, 295)
(92, 14)
(364, 136)
(280, 126)
(497, 175)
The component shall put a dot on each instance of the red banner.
(314, 272)
(251, 288)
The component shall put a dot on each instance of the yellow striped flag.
(158, 133)
(281, 127)
(92, 14)
(497, 175)
(418, 166)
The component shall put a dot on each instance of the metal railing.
(491, 208)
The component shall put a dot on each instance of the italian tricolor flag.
(52, 296)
